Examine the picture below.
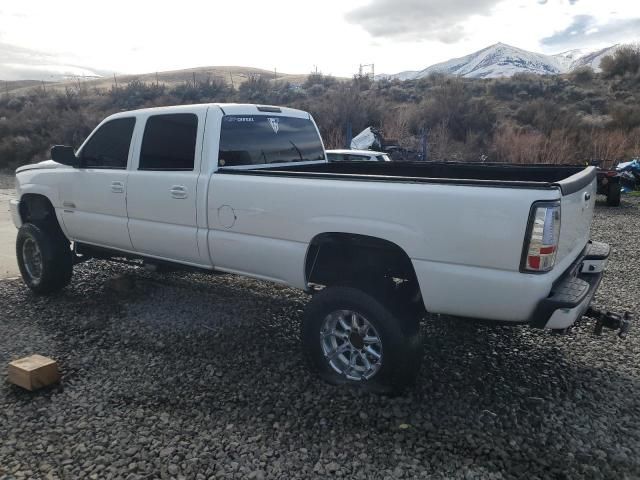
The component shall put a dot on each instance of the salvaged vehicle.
(609, 185)
(247, 189)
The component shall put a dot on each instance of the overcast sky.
(293, 35)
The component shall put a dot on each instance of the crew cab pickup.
(247, 189)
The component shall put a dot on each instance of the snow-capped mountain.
(502, 60)
(499, 60)
(568, 58)
(592, 59)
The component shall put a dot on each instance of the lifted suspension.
(611, 320)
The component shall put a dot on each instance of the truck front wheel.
(349, 337)
(44, 258)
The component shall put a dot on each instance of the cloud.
(585, 30)
(12, 53)
(418, 19)
(19, 63)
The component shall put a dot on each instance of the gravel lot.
(8, 264)
(195, 376)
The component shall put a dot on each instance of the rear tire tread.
(613, 195)
(402, 349)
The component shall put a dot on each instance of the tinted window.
(108, 147)
(169, 142)
(259, 139)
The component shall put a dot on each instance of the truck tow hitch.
(613, 321)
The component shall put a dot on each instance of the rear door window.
(260, 139)
(108, 147)
(169, 142)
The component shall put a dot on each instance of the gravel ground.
(8, 264)
(195, 376)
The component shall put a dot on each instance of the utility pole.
(194, 79)
(157, 81)
(115, 80)
(275, 74)
(231, 77)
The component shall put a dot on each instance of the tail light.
(543, 235)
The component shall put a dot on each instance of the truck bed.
(566, 177)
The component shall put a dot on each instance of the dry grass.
(11, 86)
(230, 74)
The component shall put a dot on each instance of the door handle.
(117, 187)
(178, 191)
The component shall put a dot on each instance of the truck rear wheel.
(613, 194)
(44, 258)
(349, 337)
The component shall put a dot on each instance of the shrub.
(255, 90)
(625, 60)
(135, 94)
(583, 74)
(317, 78)
(626, 117)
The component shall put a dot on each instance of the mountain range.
(502, 60)
(499, 60)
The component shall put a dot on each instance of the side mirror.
(64, 155)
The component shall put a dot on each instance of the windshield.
(260, 139)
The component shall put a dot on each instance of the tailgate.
(578, 201)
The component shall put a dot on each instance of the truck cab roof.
(226, 108)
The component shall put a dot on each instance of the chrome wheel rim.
(351, 345)
(32, 259)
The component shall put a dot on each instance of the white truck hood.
(47, 164)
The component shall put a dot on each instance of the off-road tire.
(57, 258)
(401, 343)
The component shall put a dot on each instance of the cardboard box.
(33, 372)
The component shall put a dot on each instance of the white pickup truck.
(247, 189)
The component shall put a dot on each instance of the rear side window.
(260, 139)
(334, 157)
(169, 142)
(108, 147)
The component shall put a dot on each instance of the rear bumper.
(572, 293)
(14, 207)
